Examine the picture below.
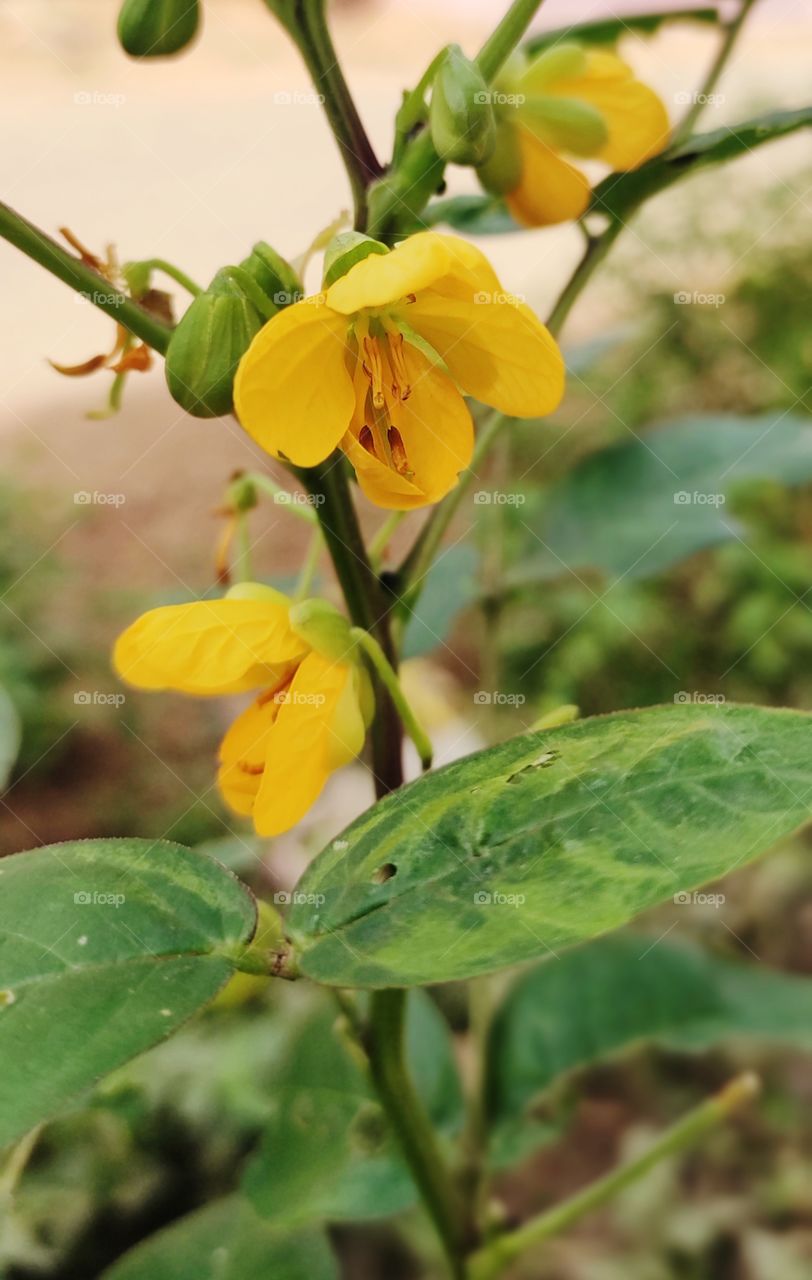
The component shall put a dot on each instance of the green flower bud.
(344, 250)
(502, 172)
(208, 344)
(157, 28)
(560, 61)
(320, 625)
(276, 277)
(565, 124)
(461, 116)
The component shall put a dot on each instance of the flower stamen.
(374, 370)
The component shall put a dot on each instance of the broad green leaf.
(10, 734)
(621, 193)
(476, 215)
(618, 992)
(635, 509)
(106, 946)
(326, 1153)
(226, 1241)
(548, 840)
(609, 30)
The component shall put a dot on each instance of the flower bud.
(275, 277)
(320, 625)
(157, 28)
(208, 344)
(461, 116)
(502, 172)
(344, 251)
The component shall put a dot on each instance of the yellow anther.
(374, 371)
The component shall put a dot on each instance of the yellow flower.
(308, 719)
(585, 102)
(374, 365)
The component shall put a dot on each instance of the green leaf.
(226, 1241)
(621, 193)
(617, 993)
(106, 946)
(476, 215)
(609, 30)
(326, 1153)
(548, 840)
(10, 735)
(635, 509)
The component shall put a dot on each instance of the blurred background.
(700, 320)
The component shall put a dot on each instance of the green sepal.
(323, 628)
(461, 117)
(157, 28)
(275, 277)
(503, 171)
(344, 251)
(208, 344)
(565, 123)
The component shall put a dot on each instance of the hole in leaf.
(384, 873)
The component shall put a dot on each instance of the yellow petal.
(383, 278)
(302, 744)
(635, 117)
(292, 393)
(380, 483)
(550, 189)
(209, 647)
(345, 740)
(497, 350)
(242, 755)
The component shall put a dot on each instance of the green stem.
(281, 497)
(732, 30)
(83, 279)
(418, 562)
(174, 273)
(385, 1045)
(305, 22)
(491, 1260)
(367, 604)
(500, 44)
(308, 570)
(380, 541)
(596, 251)
(386, 674)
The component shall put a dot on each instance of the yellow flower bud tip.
(257, 591)
(344, 251)
(321, 626)
(375, 365)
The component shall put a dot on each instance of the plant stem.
(306, 23)
(380, 541)
(280, 496)
(307, 573)
(174, 273)
(383, 669)
(83, 279)
(732, 30)
(500, 43)
(421, 557)
(490, 1261)
(385, 1044)
(596, 251)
